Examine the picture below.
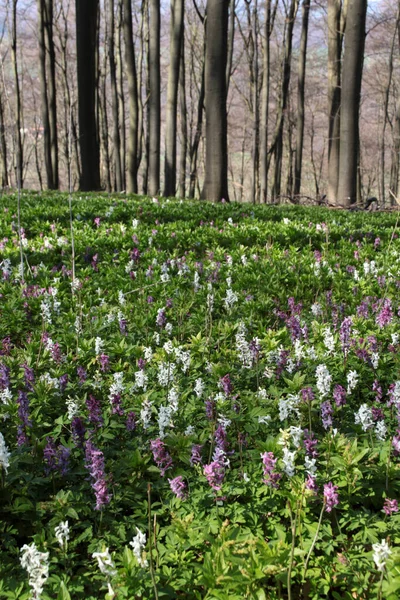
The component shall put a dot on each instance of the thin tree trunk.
(264, 162)
(256, 108)
(3, 147)
(277, 144)
(300, 97)
(184, 140)
(336, 26)
(86, 40)
(18, 108)
(216, 173)
(350, 102)
(231, 41)
(52, 95)
(121, 97)
(197, 136)
(154, 122)
(176, 40)
(133, 98)
(394, 172)
(385, 111)
(114, 100)
(41, 9)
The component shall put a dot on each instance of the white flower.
(324, 380)
(147, 353)
(98, 345)
(168, 347)
(106, 564)
(289, 405)
(138, 544)
(36, 563)
(363, 417)
(246, 478)
(264, 420)
(230, 299)
(121, 298)
(168, 328)
(243, 348)
(62, 533)
(352, 380)
(4, 454)
(117, 387)
(395, 339)
(166, 373)
(156, 338)
(196, 282)
(72, 407)
(173, 397)
(375, 359)
(183, 358)
(145, 413)
(46, 311)
(164, 420)
(329, 340)
(6, 396)
(381, 431)
(295, 434)
(310, 466)
(381, 554)
(288, 461)
(210, 302)
(135, 223)
(262, 393)
(141, 380)
(199, 387)
(224, 421)
(189, 430)
(316, 309)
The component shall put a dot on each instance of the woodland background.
(275, 76)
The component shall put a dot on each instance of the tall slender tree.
(19, 150)
(132, 152)
(300, 96)
(44, 102)
(86, 42)
(176, 42)
(216, 176)
(51, 84)
(114, 99)
(154, 115)
(353, 61)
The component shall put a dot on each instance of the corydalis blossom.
(331, 497)
(94, 462)
(178, 486)
(271, 476)
(62, 533)
(4, 454)
(364, 417)
(138, 544)
(161, 456)
(381, 554)
(215, 471)
(324, 380)
(37, 565)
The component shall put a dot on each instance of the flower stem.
(153, 578)
(313, 542)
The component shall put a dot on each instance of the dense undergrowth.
(211, 406)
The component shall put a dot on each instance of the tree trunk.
(350, 103)
(265, 104)
(176, 41)
(121, 97)
(197, 136)
(154, 122)
(394, 171)
(3, 147)
(52, 95)
(300, 97)
(18, 108)
(336, 26)
(114, 101)
(256, 109)
(133, 98)
(41, 8)
(231, 40)
(216, 175)
(277, 145)
(86, 42)
(184, 140)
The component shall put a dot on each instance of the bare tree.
(86, 41)
(216, 176)
(19, 165)
(176, 41)
(154, 115)
(133, 98)
(350, 101)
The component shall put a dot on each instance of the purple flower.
(104, 362)
(396, 443)
(178, 486)
(390, 506)
(4, 377)
(311, 484)
(196, 458)
(78, 431)
(307, 394)
(29, 377)
(161, 456)
(63, 380)
(215, 473)
(82, 375)
(55, 457)
(220, 438)
(131, 421)
(385, 316)
(377, 243)
(310, 444)
(331, 497)
(210, 409)
(161, 319)
(23, 409)
(339, 395)
(271, 476)
(294, 327)
(123, 323)
(378, 391)
(116, 404)
(226, 384)
(94, 462)
(94, 408)
(326, 414)
(141, 363)
(344, 333)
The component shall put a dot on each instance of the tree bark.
(133, 98)
(52, 94)
(231, 41)
(86, 41)
(41, 8)
(300, 97)
(216, 175)
(121, 97)
(176, 41)
(3, 147)
(18, 105)
(336, 27)
(154, 122)
(184, 140)
(350, 102)
(114, 100)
